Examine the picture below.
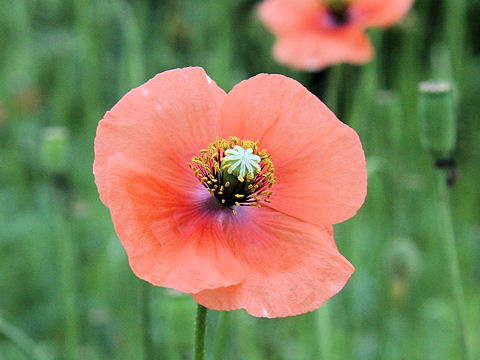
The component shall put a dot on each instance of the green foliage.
(66, 62)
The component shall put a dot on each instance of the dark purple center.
(339, 14)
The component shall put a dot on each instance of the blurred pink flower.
(314, 34)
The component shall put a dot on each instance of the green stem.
(221, 336)
(334, 80)
(148, 351)
(200, 326)
(447, 235)
(455, 28)
(21, 340)
(67, 262)
(222, 61)
(324, 328)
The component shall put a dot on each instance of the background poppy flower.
(313, 34)
(274, 254)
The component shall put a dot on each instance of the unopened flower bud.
(436, 112)
(54, 149)
(403, 264)
(403, 259)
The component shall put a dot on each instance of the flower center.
(338, 12)
(235, 172)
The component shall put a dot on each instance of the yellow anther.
(253, 178)
(234, 212)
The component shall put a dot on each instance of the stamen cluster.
(233, 188)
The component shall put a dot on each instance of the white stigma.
(242, 162)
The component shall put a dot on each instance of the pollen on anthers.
(235, 172)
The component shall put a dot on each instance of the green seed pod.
(436, 113)
(54, 149)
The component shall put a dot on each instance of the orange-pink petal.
(287, 16)
(380, 13)
(170, 236)
(318, 160)
(317, 50)
(161, 124)
(291, 267)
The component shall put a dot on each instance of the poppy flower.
(314, 34)
(231, 197)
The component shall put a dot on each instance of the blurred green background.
(66, 290)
